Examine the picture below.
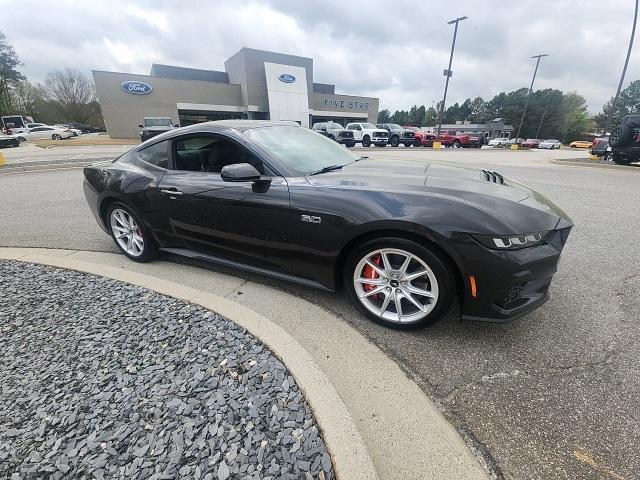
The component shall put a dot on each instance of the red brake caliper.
(369, 272)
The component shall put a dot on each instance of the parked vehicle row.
(335, 132)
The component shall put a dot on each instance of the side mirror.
(140, 125)
(240, 172)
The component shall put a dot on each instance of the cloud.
(392, 50)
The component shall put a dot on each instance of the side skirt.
(184, 252)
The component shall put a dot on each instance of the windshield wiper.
(327, 169)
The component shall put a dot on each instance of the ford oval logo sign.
(137, 88)
(287, 78)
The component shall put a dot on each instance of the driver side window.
(210, 153)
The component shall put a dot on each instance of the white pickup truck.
(368, 133)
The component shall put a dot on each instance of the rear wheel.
(407, 144)
(416, 143)
(130, 234)
(395, 141)
(399, 283)
(366, 141)
(608, 157)
(455, 144)
(55, 136)
(22, 139)
(622, 159)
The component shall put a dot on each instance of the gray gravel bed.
(101, 379)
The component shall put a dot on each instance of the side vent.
(493, 177)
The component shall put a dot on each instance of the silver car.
(550, 144)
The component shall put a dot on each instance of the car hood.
(527, 210)
(158, 129)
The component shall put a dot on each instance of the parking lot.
(551, 395)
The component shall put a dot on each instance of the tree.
(416, 115)
(430, 118)
(478, 110)
(73, 94)
(575, 118)
(384, 116)
(9, 75)
(628, 102)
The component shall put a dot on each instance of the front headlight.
(511, 242)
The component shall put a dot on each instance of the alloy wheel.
(395, 285)
(127, 232)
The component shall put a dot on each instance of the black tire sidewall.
(150, 249)
(440, 267)
(366, 141)
(395, 141)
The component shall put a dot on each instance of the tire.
(608, 157)
(366, 141)
(620, 136)
(22, 139)
(455, 144)
(438, 280)
(350, 144)
(394, 141)
(572, 146)
(621, 159)
(55, 136)
(407, 144)
(416, 143)
(149, 249)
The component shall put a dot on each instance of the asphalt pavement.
(551, 395)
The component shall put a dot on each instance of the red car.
(531, 143)
(422, 138)
(449, 139)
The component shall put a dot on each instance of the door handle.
(172, 192)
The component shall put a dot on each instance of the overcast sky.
(395, 50)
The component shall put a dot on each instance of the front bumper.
(380, 140)
(509, 284)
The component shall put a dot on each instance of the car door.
(247, 222)
(357, 131)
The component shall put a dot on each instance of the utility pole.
(624, 71)
(544, 112)
(448, 73)
(526, 103)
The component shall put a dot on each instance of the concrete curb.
(575, 163)
(343, 440)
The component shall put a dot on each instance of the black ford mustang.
(404, 238)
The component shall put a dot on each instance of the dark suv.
(625, 141)
(398, 134)
(335, 132)
(153, 126)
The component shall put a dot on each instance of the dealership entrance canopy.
(256, 84)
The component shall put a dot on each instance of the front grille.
(346, 134)
(408, 134)
(381, 134)
(493, 177)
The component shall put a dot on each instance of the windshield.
(157, 122)
(368, 125)
(395, 126)
(300, 149)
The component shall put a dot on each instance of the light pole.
(448, 73)
(526, 103)
(624, 70)
(544, 112)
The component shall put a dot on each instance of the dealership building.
(255, 84)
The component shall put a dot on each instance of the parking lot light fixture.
(448, 73)
(526, 103)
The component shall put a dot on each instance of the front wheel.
(22, 139)
(366, 141)
(130, 234)
(399, 283)
(608, 157)
(55, 136)
(456, 144)
(416, 143)
(407, 144)
(394, 141)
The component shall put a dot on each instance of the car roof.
(242, 125)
